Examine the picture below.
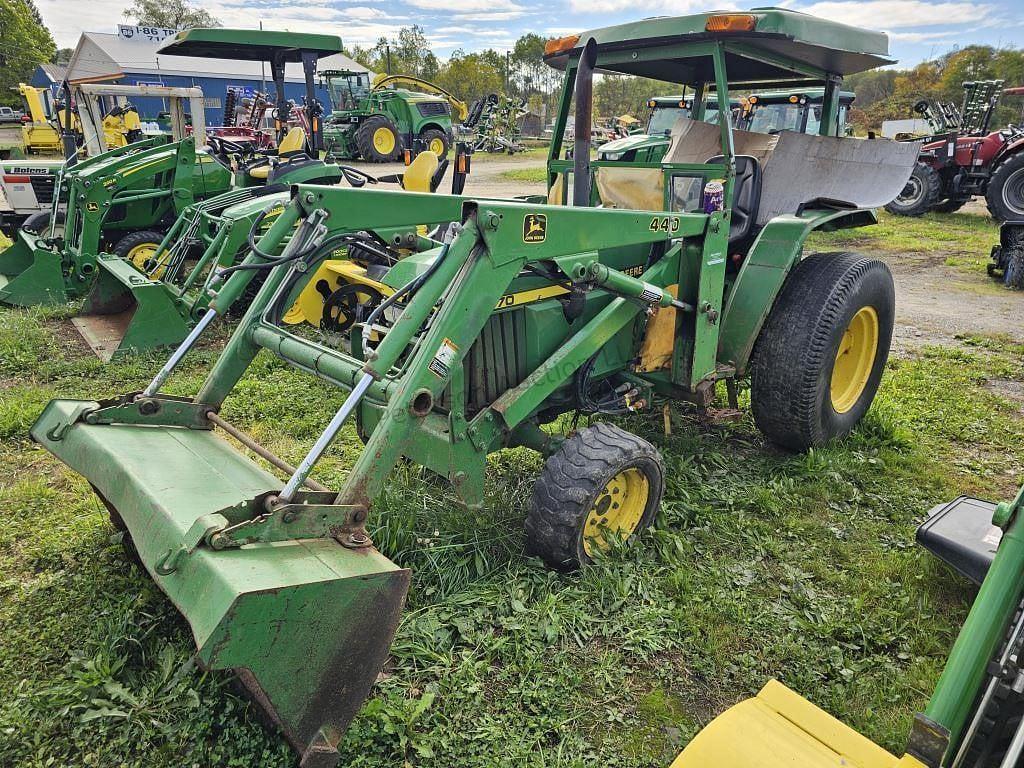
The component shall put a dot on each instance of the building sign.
(211, 102)
(144, 32)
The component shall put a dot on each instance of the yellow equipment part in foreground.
(780, 729)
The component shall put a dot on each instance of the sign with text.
(145, 32)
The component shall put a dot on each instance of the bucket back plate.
(780, 729)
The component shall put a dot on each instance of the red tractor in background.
(963, 158)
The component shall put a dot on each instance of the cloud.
(900, 14)
(465, 6)
(636, 7)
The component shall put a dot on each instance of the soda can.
(714, 196)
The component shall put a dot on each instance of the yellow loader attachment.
(778, 728)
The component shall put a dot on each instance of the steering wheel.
(356, 177)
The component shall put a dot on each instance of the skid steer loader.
(521, 310)
(124, 200)
(974, 718)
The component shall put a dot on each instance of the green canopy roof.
(248, 44)
(779, 36)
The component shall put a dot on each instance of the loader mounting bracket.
(311, 516)
(163, 410)
(260, 520)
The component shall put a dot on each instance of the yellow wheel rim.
(436, 146)
(384, 140)
(141, 255)
(618, 509)
(854, 360)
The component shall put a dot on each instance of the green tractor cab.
(376, 122)
(518, 312)
(793, 109)
(125, 200)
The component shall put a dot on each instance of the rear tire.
(39, 223)
(1005, 193)
(819, 359)
(436, 141)
(138, 249)
(601, 479)
(377, 140)
(920, 194)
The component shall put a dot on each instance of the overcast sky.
(918, 29)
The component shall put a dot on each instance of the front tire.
(138, 249)
(1005, 193)
(436, 141)
(377, 140)
(601, 481)
(920, 194)
(1013, 277)
(819, 359)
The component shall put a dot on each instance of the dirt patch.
(935, 303)
(1011, 389)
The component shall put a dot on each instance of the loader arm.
(457, 105)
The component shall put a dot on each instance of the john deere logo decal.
(535, 228)
(92, 206)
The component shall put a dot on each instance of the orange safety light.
(752, 99)
(652, 104)
(794, 99)
(407, 156)
(560, 44)
(731, 22)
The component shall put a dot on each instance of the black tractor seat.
(746, 201)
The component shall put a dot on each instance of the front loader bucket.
(780, 729)
(31, 275)
(127, 312)
(306, 623)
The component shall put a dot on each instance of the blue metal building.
(101, 57)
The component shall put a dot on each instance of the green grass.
(531, 154)
(761, 564)
(960, 240)
(537, 175)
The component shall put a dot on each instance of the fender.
(1011, 147)
(776, 250)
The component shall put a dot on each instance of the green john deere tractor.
(376, 122)
(123, 201)
(508, 314)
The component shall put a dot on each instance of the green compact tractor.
(134, 307)
(793, 109)
(378, 122)
(124, 201)
(506, 315)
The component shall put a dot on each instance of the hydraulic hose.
(409, 288)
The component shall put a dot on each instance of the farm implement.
(124, 201)
(974, 718)
(505, 315)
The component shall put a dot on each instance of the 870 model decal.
(668, 224)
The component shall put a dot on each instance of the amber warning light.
(731, 22)
(560, 44)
